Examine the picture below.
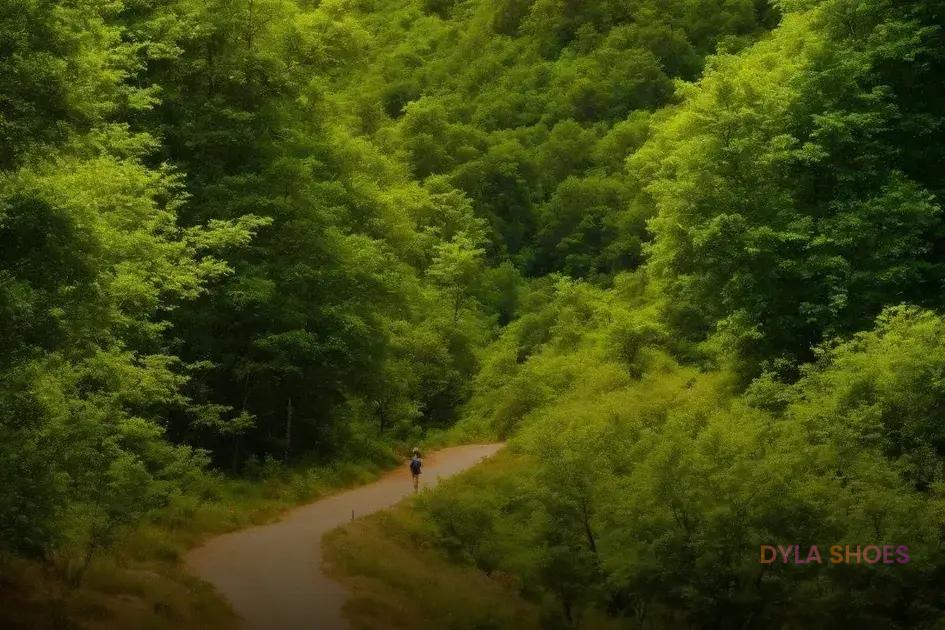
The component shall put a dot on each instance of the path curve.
(271, 574)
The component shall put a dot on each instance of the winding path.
(271, 574)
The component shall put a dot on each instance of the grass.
(405, 571)
(400, 578)
(140, 581)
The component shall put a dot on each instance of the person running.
(416, 465)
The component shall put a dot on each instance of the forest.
(686, 256)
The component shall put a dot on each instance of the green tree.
(792, 203)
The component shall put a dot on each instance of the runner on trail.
(416, 464)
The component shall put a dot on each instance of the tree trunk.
(382, 417)
(591, 542)
(566, 609)
(288, 430)
(236, 454)
(250, 27)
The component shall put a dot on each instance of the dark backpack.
(415, 466)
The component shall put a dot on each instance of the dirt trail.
(272, 575)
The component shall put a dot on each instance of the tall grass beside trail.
(140, 582)
(401, 579)
(420, 562)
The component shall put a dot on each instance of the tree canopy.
(686, 255)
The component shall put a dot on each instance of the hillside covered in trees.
(688, 256)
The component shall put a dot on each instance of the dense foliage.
(531, 107)
(197, 266)
(643, 489)
(796, 192)
(686, 254)
(757, 381)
